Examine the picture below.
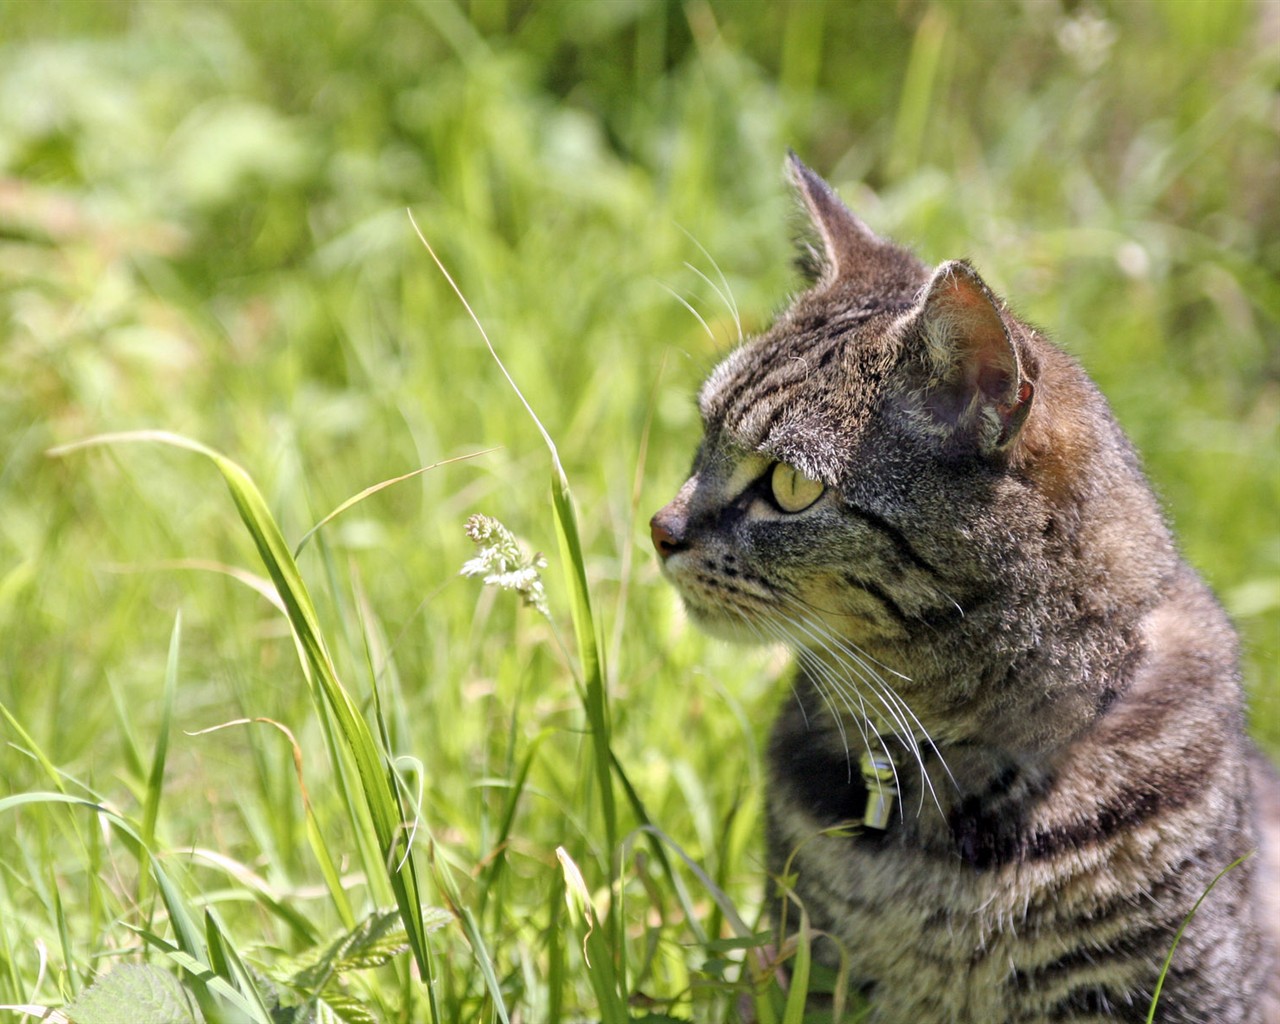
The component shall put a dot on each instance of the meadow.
(273, 766)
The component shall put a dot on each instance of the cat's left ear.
(975, 378)
(849, 247)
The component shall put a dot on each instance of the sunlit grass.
(203, 231)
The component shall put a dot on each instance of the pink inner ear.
(963, 317)
(993, 381)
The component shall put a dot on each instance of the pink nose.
(665, 541)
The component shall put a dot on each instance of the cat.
(1008, 681)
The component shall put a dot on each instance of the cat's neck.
(1026, 668)
(1053, 636)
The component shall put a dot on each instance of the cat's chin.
(723, 627)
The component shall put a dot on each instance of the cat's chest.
(931, 938)
(990, 904)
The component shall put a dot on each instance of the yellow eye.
(792, 490)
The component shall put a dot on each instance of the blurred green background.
(203, 229)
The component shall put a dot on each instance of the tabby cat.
(1008, 681)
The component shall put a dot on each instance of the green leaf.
(136, 994)
(340, 1008)
(314, 974)
(375, 941)
(219, 999)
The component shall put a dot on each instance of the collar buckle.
(882, 789)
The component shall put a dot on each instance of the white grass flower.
(501, 563)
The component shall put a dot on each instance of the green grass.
(204, 231)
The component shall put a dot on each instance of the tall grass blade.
(471, 929)
(798, 994)
(596, 945)
(718, 895)
(918, 91)
(227, 963)
(64, 931)
(377, 784)
(32, 748)
(557, 979)
(299, 920)
(493, 870)
(131, 753)
(315, 836)
(375, 488)
(590, 661)
(589, 655)
(155, 780)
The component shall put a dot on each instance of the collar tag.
(882, 789)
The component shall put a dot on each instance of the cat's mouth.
(742, 608)
(731, 609)
(715, 622)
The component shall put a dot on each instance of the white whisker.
(857, 673)
(842, 685)
(681, 299)
(726, 295)
(825, 693)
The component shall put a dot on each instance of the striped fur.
(986, 589)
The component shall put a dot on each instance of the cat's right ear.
(975, 382)
(847, 243)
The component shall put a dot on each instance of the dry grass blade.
(380, 486)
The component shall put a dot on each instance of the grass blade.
(918, 91)
(315, 837)
(471, 929)
(31, 747)
(155, 779)
(493, 869)
(1155, 996)
(798, 993)
(191, 943)
(375, 488)
(227, 963)
(595, 944)
(589, 655)
(377, 784)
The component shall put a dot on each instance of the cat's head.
(855, 452)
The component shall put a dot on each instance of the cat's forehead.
(804, 390)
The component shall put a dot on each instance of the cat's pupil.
(792, 490)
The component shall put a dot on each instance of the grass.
(203, 231)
